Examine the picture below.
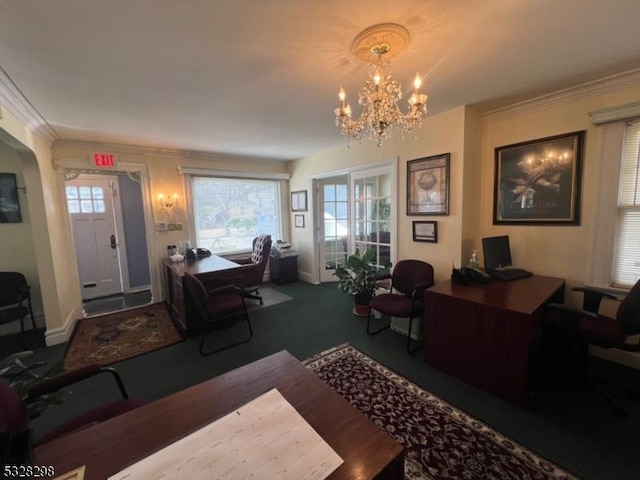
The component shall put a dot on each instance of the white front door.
(91, 208)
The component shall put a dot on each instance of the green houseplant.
(358, 277)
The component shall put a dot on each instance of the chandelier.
(380, 94)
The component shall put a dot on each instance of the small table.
(483, 334)
(106, 448)
(176, 294)
(283, 269)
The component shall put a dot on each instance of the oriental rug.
(118, 336)
(440, 441)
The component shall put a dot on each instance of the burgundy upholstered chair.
(409, 280)
(588, 327)
(15, 440)
(15, 301)
(218, 308)
(253, 267)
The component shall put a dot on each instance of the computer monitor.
(497, 253)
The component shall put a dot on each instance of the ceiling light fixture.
(380, 94)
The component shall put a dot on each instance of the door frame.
(118, 224)
(65, 166)
(318, 214)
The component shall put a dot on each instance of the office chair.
(588, 327)
(409, 280)
(253, 267)
(15, 301)
(217, 307)
(15, 435)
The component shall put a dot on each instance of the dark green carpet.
(574, 429)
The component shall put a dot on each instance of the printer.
(282, 249)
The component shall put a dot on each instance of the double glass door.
(358, 214)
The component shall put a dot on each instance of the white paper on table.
(263, 439)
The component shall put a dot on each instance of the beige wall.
(17, 240)
(49, 242)
(559, 251)
(439, 134)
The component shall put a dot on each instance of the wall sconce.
(168, 202)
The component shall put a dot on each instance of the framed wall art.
(425, 231)
(9, 203)
(538, 182)
(299, 221)
(428, 185)
(299, 201)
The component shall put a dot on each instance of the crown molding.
(16, 103)
(589, 89)
(161, 152)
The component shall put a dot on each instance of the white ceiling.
(260, 77)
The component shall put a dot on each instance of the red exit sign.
(104, 160)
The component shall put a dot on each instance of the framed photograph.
(299, 201)
(428, 185)
(9, 204)
(299, 221)
(538, 182)
(425, 232)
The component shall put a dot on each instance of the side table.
(283, 269)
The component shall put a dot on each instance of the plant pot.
(361, 310)
(361, 305)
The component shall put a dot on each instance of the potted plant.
(358, 277)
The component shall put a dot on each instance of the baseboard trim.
(62, 334)
(307, 278)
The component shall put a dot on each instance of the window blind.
(626, 269)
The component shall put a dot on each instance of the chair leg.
(22, 342)
(378, 330)
(254, 296)
(33, 320)
(419, 344)
(220, 349)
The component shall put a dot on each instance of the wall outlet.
(161, 227)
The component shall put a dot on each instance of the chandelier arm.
(379, 98)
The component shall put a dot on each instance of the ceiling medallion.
(380, 93)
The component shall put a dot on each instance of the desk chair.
(15, 301)
(591, 328)
(253, 267)
(409, 280)
(15, 435)
(218, 308)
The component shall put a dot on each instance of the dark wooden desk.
(176, 295)
(483, 334)
(106, 448)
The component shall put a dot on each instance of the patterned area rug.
(112, 338)
(440, 441)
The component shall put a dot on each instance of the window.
(230, 212)
(85, 199)
(626, 261)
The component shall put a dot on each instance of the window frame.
(282, 186)
(612, 137)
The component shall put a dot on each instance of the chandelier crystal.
(379, 99)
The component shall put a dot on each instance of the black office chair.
(15, 301)
(587, 327)
(218, 307)
(409, 280)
